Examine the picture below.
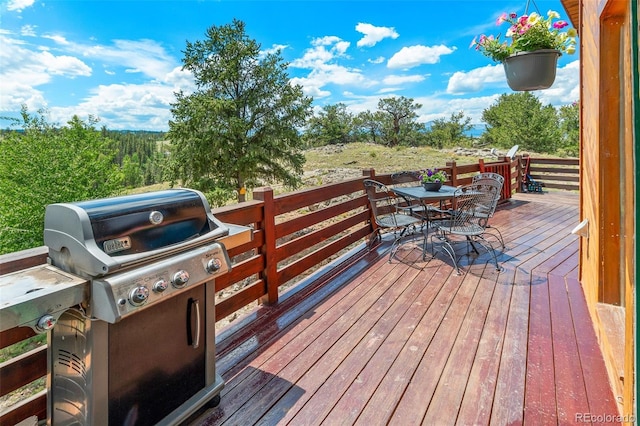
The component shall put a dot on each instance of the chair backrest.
(488, 175)
(404, 177)
(382, 202)
(490, 180)
(473, 203)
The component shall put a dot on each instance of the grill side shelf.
(37, 296)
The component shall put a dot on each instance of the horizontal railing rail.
(554, 173)
(293, 234)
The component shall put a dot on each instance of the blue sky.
(120, 60)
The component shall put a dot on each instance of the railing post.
(454, 172)
(369, 173)
(506, 191)
(520, 175)
(268, 225)
(481, 164)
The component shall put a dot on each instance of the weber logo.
(119, 244)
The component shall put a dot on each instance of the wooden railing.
(555, 173)
(292, 234)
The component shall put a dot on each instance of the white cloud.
(325, 74)
(273, 49)
(475, 80)
(389, 90)
(311, 87)
(325, 41)
(132, 106)
(57, 38)
(321, 61)
(378, 60)
(19, 5)
(14, 94)
(566, 87)
(28, 31)
(325, 50)
(123, 106)
(119, 106)
(356, 104)
(341, 47)
(434, 107)
(181, 79)
(145, 56)
(68, 66)
(24, 69)
(141, 56)
(412, 56)
(400, 79)
(373, 34)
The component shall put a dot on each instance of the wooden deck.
(410, 342)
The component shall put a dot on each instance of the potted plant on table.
(432, 179)
(530, 57)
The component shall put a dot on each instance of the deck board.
(570, 382)
(411, 342)
(477, 401)
(447, 398)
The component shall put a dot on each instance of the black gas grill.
(140, 349)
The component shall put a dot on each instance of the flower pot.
(432, 186)
(531, 70)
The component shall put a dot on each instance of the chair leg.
(394, 248)
(374, 236)
(447, 247)
(488, 247)
(495, 233)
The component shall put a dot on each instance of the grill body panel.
(140, 350)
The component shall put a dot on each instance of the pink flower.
(501, 19)
(523, 19)
(560, 24)
(512, 15)
(524, 29)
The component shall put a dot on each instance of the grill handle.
(193, 336)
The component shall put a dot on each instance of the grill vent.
(73, 362)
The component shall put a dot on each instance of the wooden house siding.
(608, 179)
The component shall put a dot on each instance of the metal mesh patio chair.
(489, 179)
(388, 216)
(411, 206)
(467, 223)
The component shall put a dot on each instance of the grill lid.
(97, 237)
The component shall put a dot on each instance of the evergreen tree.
(451, 132)
(401, 125)
(521, 119)
(332, 125)
(242, 123)
(570, 126)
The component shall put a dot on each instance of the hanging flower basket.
(531, 70)
(530, 50)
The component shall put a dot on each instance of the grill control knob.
(160, 286)
(138, 296)
(180, 279)
(213, 265)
